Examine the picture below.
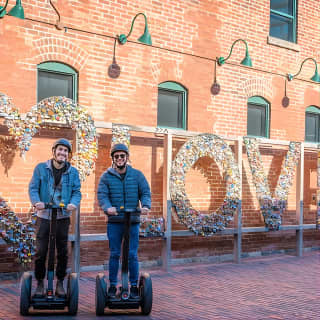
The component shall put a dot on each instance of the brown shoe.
(40, 292)
(59, 289)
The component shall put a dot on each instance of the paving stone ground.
(272, 287)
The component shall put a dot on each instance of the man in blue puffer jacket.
(122, 187)
(55, 182)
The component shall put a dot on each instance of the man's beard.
(59, 161)
(122, 166)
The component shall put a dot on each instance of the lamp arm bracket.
(4, 8)
(315, 62)
(234, 45)
(58, 23)
(145, 21)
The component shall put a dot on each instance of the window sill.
(260, 137)
(314, 144)
(283, 44)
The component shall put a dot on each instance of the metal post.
(238, 219)
(166, 203)
(299, 205)
(75, 245)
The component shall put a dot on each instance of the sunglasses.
(117, 156)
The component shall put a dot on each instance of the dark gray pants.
(43, 231)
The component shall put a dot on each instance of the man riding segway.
(54, 184)
(121, 188)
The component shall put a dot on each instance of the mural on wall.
(196, 147)
(57, 110)
(149, 226)
(272, 208)
(120, 134)
(21, 236)
(63, 110)
(213, 146)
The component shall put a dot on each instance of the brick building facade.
(187, 36)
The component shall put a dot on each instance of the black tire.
(145, 288)
(25, 294)
(101, 294)
(73, 294)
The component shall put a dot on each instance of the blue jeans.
(115, 234)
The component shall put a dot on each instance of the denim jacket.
(126, 193)
(42, 188)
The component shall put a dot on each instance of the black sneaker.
(60, 290)
(40, 292)
(134, 292)
(112, 291)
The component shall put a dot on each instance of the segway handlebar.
(136, 210)
(49, 205)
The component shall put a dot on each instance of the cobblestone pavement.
(271, 287)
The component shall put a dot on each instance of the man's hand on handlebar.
(71, 207)
(145, 211)
(39, 205)
(112, 211)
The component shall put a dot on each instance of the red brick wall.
(199, 28)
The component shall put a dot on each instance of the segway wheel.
(145, 288)
(25, 295)
(73, 294)
(101, 294)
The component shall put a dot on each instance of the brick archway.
(56, 49)
(256, 87)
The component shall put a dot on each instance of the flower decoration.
(120, 134)
(272, 208)
(56, 110)
(196, 147)
(20, 237)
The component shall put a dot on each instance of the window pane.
(312, 127)
(256, 125)
(54, 84)
(281, 27)
(284, 6)
(170, 109)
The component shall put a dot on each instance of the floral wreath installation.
(149, 226)
(18, 235)
(57, 110)
(196, 147)
(272, 208)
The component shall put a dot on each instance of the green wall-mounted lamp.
(145, 38)
(17, 11)
(246, 61)
(315, 77)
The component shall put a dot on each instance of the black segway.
(123, 299)
(50, 301)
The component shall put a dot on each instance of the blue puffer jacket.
(41, 188)
(115, 192)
